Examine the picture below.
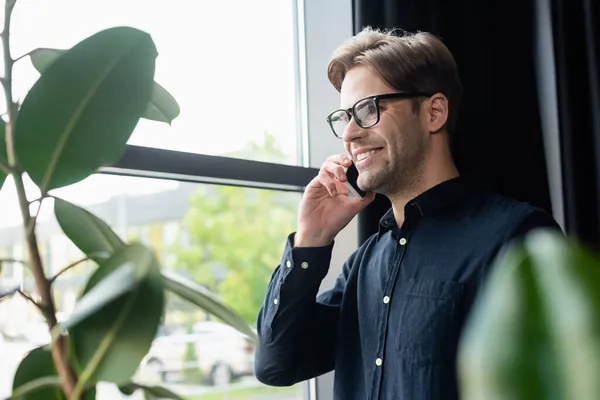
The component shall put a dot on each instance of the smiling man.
(391, 324)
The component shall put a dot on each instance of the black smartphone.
(353, 190)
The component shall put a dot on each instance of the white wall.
(327, 24)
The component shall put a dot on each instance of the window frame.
(314, 98)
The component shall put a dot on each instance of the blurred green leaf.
(89, 233)
(504, 342)
(42, 58)
(117, 318)
(35, 389)
(85, 124)
(206, 300)
(114, 285)
(36, 378)
(568, 276)
(153, 392)
(92, 236)
(127, 388)
(534, 332)
(162, 106)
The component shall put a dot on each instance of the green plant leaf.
(42, 58)
(535, 329)
(568, 276)
(205, 299)
(154, 392)
(82, 110)
(504, 350)
(127, 388)
(47, 387)
(92, 236)
(117, 318)
(162, 106)
(89, 233)
(36, 377)
(114, 285)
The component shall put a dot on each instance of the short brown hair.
(412, 62)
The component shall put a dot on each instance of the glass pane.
(229, 64)
(227, 238)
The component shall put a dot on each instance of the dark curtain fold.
(575, 40)
(499, 141)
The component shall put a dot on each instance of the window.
(249, 112)
(230, 65)
(234, 239)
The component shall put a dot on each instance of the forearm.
(296, 333)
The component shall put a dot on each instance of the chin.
(366, 184)
(375, 181)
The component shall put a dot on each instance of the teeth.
(362, 156)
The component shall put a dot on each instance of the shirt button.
(289, 264)
(275, 301)
(386, 299)
(402, 241)
(304, 265)
(378, 362)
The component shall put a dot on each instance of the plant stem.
(30, 228)
(5, 168)
(32, 301)
(67, 376)
(68, 267)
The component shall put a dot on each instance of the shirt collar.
(426, 203)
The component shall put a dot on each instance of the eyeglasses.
(366, 112)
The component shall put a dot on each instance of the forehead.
(360, 82)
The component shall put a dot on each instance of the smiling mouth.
(364, 156)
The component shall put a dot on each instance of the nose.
(353, 131)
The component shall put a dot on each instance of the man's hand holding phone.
(326, 207)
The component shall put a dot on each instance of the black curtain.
(499, 141)
(575, 42)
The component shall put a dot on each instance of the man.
(391, 324)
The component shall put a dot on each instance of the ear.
(436, 112)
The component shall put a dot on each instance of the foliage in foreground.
(535, 331)
(76, 119)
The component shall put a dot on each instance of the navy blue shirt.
(391, 324)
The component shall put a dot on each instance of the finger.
(335, 170)
(341, 188)
(327, 181)
(341, 159)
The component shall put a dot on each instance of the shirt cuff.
(305, 262)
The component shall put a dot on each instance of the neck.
(438, 167)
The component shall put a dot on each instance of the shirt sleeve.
(298, 330)
(538, 219)
(533, 220)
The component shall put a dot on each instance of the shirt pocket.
(429, 323)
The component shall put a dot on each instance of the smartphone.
(353, 190)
